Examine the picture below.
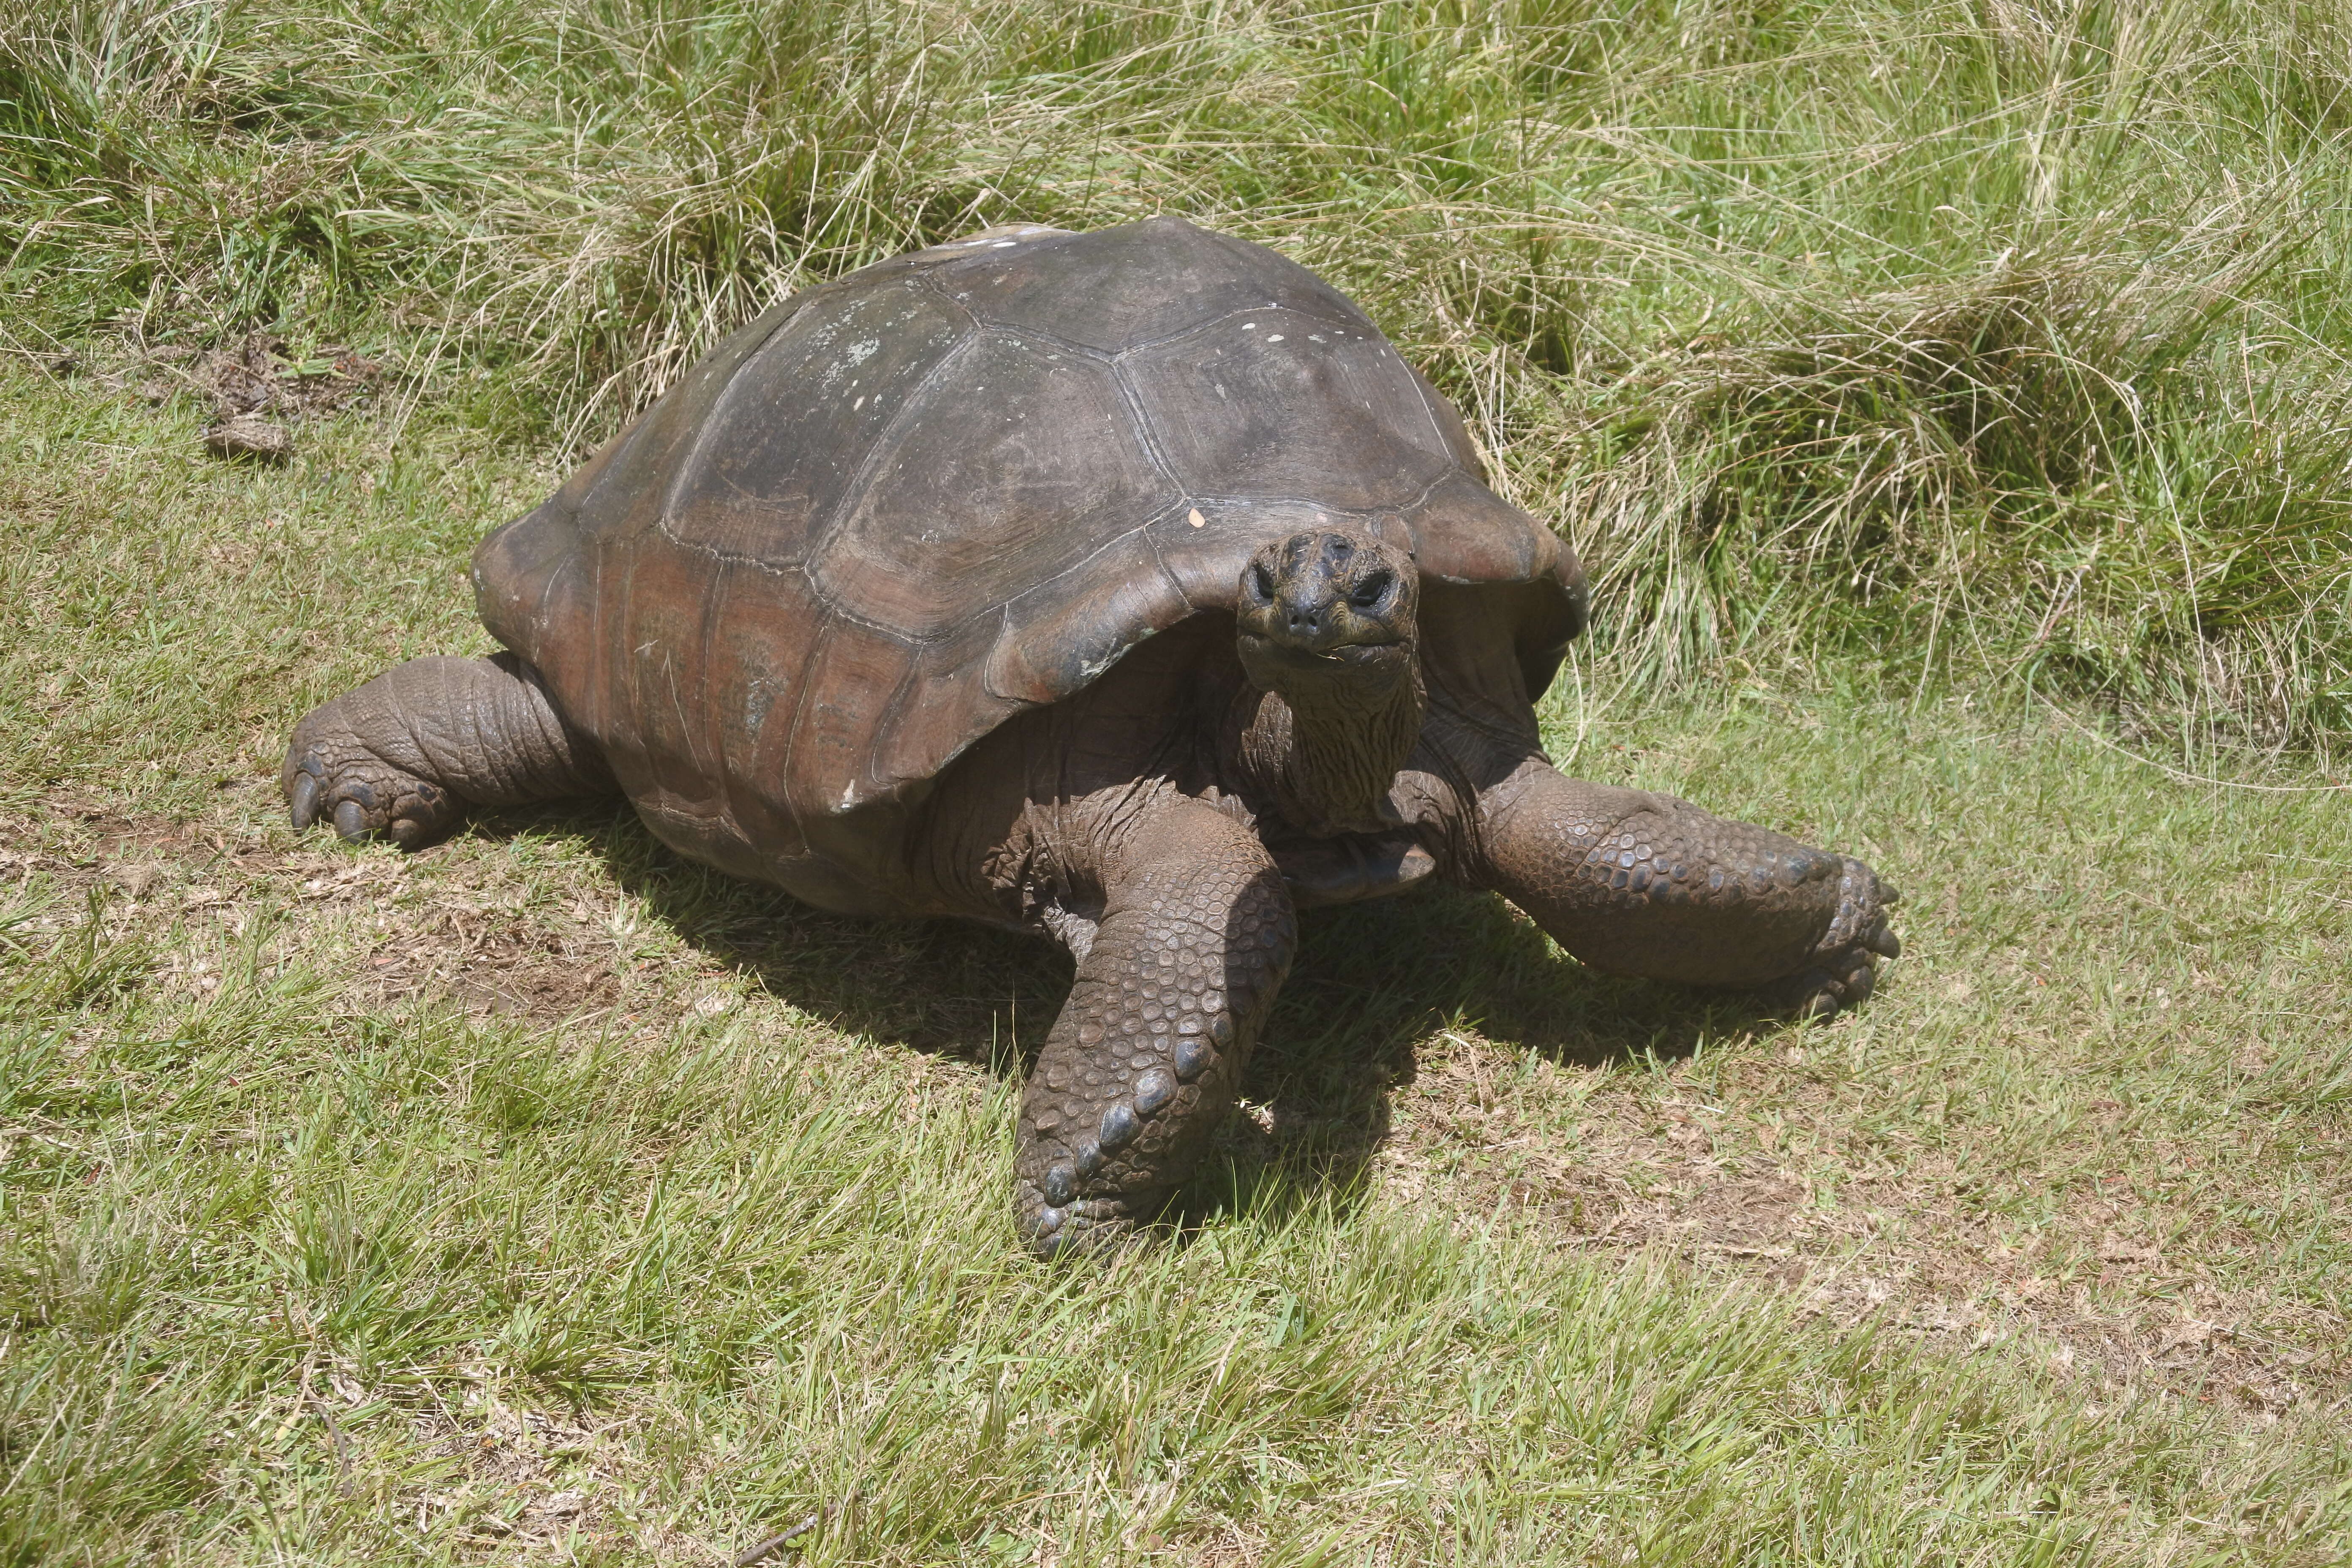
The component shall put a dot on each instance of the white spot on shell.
(859, 352)
(1273, 337)
(1003, 244)
(1195, 518)
(856, 406)
(1249, 326)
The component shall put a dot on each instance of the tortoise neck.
(1326, 754)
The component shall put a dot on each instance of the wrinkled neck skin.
(1324, 748)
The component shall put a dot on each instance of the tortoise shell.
(902, 507)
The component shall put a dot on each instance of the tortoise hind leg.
(1195, 939)
(404, 755)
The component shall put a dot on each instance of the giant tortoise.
(1127, 588)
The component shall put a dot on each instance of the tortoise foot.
(1097, 1227)
(404, 756)
(1844, 970)
(331, 777)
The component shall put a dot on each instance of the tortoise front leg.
(1196, 937)
(1648, 885)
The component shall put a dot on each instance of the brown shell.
(899, 508)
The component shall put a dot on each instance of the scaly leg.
(404, 755)
(1648, 885)
(1195, 939)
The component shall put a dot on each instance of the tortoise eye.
(1371, 591)
(1261, 582)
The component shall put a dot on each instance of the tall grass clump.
(1991, 340)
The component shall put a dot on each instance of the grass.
(544, 1195)
(1949, 398)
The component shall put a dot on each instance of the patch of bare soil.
(488, 963)
(515, 1480)
(457, 944)
(1897, 1247)
(258, 388)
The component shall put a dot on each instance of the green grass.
(1950, 399)
(544, 1195)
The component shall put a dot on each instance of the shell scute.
(853, 684)
(1254, 405)
(1142, 282)
(1062, 634)
(667, 602)
(782, 446)
(1003, 474)
(754, 682)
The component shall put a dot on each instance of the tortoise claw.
(302, 800)
(1828, 986)
(1098, 1229)
(1845, 970)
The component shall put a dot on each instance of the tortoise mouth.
(1341, 677)
(1280, 651)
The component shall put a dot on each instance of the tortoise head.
(1327, 629)
(1329, 611)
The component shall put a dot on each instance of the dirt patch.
(440, 933)
(1631, 1172)
(491, 966)
(255, 388)
(502, 1479)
